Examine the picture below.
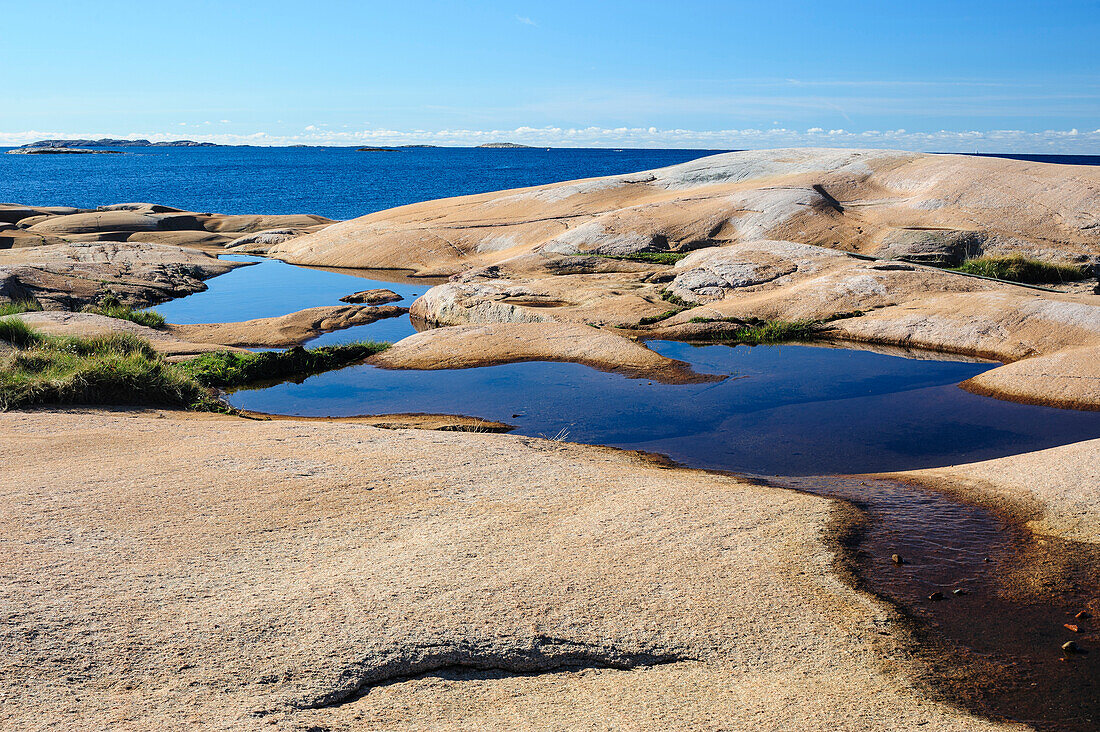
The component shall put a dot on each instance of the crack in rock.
(542, 655)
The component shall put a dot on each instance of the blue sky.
(994, 76)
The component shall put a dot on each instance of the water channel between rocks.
(803, 412)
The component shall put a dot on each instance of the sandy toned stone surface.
(70, 275)
(853, 200)
(286, 330)
(470, 346)
(88, 325)
(1058, 489)
(405, 421)
(377, 296)
(1068, 379)
(169, 571)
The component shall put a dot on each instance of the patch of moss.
(1018, 268)
(680, 306)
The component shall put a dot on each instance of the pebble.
(936, 596)
(958, 591)
(1072, 628)
(896, 559)
(1070, 647)
(1083, 615)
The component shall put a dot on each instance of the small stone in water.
(896, 559)
(1070, 647)
(959, 591)
(1083, 615)
(936, 596)
(1072, 628)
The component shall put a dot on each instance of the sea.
(335, 182)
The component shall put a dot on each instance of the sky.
(1006, 76)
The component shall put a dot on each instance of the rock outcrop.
(843, 237)
(852, 200)
(470, 346)
(286, 330)
(68, 276)
(150, 223)
(308, 574)
(378, 296)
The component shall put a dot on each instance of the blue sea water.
(337, 182)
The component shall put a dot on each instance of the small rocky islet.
(306, 573)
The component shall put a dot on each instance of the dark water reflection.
(792, 410)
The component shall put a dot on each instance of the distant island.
(375, 149)
(505, 145)
(110, 142)
(61, 151)
(410, 147)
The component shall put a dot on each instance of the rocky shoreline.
(171, 569)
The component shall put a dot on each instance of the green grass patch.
(676, 300)
(123, 369)
(679, 303)
(764, 331)
(1018, 268)
(113, 369)
(226, 369)
(18, 333)
(19, 306)
(651, 319)
(112, 307)
(651, 257)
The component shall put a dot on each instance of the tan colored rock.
(90, 325)
(261, 241)
(406, 421)
(1068, 379)
(844, 199)
(286, 330)
(71, 275)
(247, 224)
(377, 296)
(303, 564)
(470, 346)
(1058, 489)
(124, 220)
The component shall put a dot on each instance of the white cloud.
(1046, 141)
(525, 20)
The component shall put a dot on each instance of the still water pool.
(790, 409)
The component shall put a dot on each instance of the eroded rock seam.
(543, 655)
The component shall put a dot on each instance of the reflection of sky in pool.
(785, 409)
(272, 288)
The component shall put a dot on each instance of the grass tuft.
(227, 369)
(121, 368)
(652, 257)
(761, 332)
(112, 369)
(19, 306)
(1018, 268)
(17, 333)
(112, 307)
